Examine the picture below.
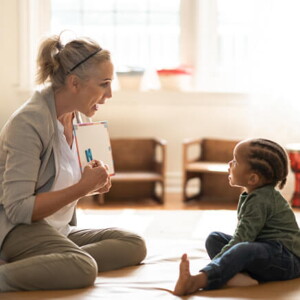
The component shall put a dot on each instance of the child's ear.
(254, 179)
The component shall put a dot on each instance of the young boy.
(266, 243)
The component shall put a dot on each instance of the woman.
(41, 181)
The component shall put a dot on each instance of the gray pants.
(39, 258)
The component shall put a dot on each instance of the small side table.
(294, 155)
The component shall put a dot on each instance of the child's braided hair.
(270, 160)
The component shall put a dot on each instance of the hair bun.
(59, 45)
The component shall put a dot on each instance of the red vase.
(295, 166)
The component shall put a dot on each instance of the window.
(239, 27)
(248, 45)
(139, 33)
(232, 45)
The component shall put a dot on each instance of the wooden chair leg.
(163, 193)
(155, 196)
(99, 198)
(184, 190)
(195, 196)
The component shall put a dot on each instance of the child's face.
(239, 169)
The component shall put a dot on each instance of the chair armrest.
(186, 144)
(160, 142)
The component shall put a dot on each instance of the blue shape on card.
(88, 155)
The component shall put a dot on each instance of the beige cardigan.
(27, 167)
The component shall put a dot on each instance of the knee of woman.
(134, 246)
(137, 247)
(141, 249)
(87, 270)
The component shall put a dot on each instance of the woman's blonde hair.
(56, 61)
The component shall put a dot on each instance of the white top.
(67, 173)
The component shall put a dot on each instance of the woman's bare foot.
(241, 279)
(186, 283)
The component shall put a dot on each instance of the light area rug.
(168, 235)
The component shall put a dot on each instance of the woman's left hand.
(107, 186)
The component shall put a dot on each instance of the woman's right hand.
(94, 176)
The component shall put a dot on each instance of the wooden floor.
(173, 202)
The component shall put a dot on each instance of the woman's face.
(95, 90)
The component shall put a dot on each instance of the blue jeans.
(262, 260)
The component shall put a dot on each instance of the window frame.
(197, 37)
(34, 20)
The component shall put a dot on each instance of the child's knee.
(211, 239)
(252, 250)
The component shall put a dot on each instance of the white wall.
(168, 114)
(175, 116)
(9, 58)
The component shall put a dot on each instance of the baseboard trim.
(173, 182)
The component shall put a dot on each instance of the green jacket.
(265, 215)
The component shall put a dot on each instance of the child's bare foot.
(241, 279)
(186, 283)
